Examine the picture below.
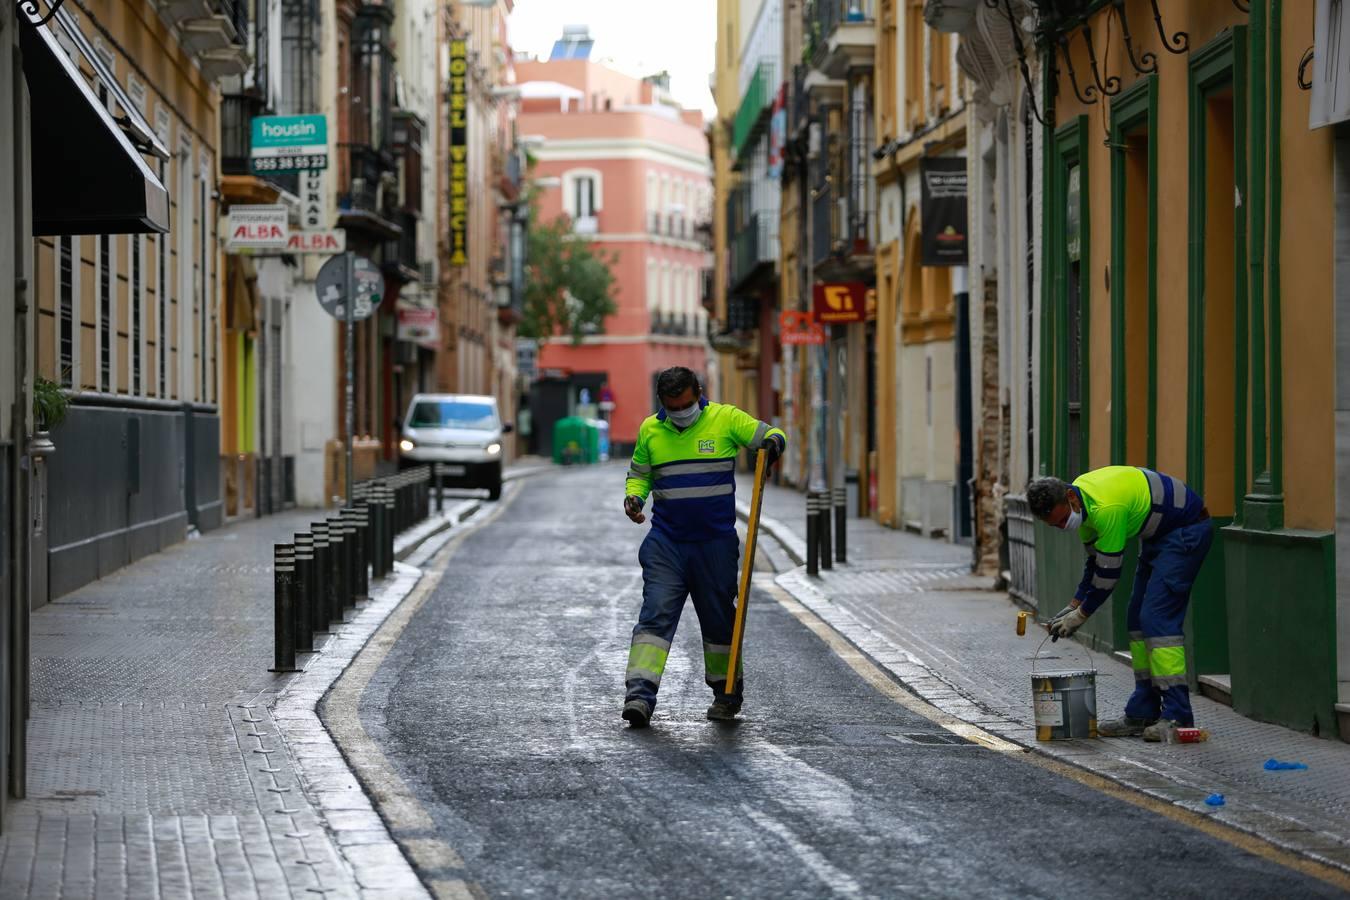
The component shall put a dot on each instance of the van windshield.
(453, 414)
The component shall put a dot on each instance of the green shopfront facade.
(1188, 325)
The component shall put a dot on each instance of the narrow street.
(498, 708)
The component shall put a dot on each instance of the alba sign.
(257, 228)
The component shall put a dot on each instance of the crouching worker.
(1108, 507)
(685, 460)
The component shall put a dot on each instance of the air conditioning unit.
(426, 276)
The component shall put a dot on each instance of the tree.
(569, 285)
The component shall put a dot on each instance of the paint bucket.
(1064, 701)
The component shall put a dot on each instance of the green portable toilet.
(575, 440)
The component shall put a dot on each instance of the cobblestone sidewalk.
(907, 602)
(166, 761)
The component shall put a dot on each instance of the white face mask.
(685, 417)
(1074, 520)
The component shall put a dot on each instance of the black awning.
(87, 176)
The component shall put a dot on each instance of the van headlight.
(405, 445)
(493, 449)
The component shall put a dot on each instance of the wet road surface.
(499, 707)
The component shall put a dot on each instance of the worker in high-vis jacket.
(1108, 507)
(685, 460)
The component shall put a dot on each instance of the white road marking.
(839, 883)
(603, 644)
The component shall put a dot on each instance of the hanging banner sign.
(289, 144)
(839, 304)
(799, 328)
(778, 133)
(312, 200)
(942, 211)
(419, 326)
(459, 153)
(321, 242)
(256, 227)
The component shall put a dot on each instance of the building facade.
(629, 170)
(130, 324)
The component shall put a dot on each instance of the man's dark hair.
(673, 381)
(1044, 494)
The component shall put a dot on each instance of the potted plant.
(49, 408)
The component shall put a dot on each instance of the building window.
(914, 68)
(162, 296)
(66, 284)
(201, 286)
(137, 309)
(584, 199)
(105, 312)
(299, 30)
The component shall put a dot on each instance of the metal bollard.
(840, 524)
(355, 555)
(390, 509)
(823, 530)
(368, 536)
(338, 535)
(323, 551)
(304, 589)
(362, 552)
(348, 560)
(335, 598)
(812, 539)
(439, 488)
(283, 570)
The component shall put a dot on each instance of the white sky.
(638, 37)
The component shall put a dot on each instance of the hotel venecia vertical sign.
(459, 153)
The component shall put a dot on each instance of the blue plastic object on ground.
(1274, 765)
(1214, 800)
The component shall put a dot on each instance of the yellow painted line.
(878, 678)
(339, 713)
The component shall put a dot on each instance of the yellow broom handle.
(747, 568)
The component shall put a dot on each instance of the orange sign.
(795, 328)
(837, 304)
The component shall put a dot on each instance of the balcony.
(401, 261)
(840, 35)
(239, 184)
(215, 31)
(754, 252)
(367, 204)
(752, 114)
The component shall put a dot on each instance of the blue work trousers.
(1167, 568)
(671, 572)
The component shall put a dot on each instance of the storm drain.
(930, 739)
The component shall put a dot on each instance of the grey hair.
(1044, 494)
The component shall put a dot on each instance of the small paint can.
(1022, 623)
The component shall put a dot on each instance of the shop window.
(66, 300)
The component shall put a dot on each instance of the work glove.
(632, 506)
(1066, 622)
(773, 449)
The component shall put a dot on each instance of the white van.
(461, 434)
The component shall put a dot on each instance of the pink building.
(630, 168)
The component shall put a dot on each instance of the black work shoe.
(637, 713)
(1125, 726)
(723, 712)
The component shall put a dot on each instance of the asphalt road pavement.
(498, 707)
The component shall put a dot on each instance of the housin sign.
(289, 143)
